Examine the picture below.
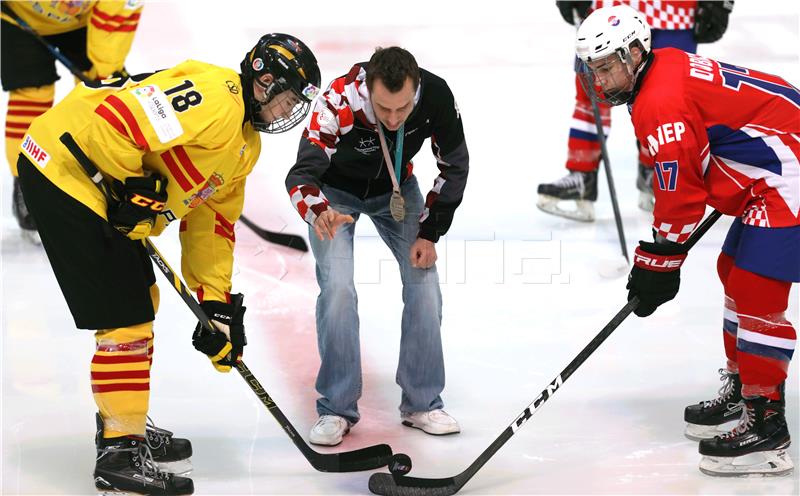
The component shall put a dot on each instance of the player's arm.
(675, 144)
(207, 239)
(109, 35)
(450, 149)
(330, 119)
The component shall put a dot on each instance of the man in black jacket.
(348, 165)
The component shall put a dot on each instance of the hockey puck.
(400, 464)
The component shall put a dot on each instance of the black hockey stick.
(368, 458)
(289, 240)
(400, 485)
(283, 239)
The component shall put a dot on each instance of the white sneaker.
(329, 430)
(436, 422)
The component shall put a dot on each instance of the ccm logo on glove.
(146, 202)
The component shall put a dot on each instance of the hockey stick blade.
(368, 458)
(399, 485)
(283, 239)
(389, 485)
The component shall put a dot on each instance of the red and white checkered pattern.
(659, 14)
(309, 202)
(756, 215)
(675, 233)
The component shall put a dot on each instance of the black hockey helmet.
(293, 68)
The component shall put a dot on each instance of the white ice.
(522, 295)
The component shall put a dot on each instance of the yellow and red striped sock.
(121, 378)
(24, 105)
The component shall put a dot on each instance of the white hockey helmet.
(608, 34)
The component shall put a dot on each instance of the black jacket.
(341, 148)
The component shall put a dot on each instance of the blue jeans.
(420, 371)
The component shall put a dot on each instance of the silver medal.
(397, 206)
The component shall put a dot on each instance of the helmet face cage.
(621, 79)
(293, 68)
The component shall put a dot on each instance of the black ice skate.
(644, 183)
(170, 453)
(757, 446)
(580, 187)
(711, 418)
(23, 216)
(125, 464)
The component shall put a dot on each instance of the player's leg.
(28, 74)
(339, 379)
(767, 262)
(107, 287)
(420, 369)
(573, 195)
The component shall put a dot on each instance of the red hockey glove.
(225, 347)
(656, 275)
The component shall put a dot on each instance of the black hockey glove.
(138, 203)
(711, 20)
(226, 346)
(567, 6)
(656, 275)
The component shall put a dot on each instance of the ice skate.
(576, 188)
(125, 465)
(170, 454)
(757, 446)
(711, 418)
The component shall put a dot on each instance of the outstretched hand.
(328, 222)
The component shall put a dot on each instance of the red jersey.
(720, 135)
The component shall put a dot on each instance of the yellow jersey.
(187, 124)
(110, 26)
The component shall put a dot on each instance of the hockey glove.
(138, 203)
(711, 20)
(580, 7)
(656, 275)
(225, 346)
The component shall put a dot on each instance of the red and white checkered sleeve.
(309, 201)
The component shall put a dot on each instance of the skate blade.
(647, 201)
(583, 212)
(179, 467)
(776, 463)
(697, 432)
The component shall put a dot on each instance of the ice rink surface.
(522, 294)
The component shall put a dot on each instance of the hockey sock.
(583, 148)
(24, 105)
(765, 340)
(730, 321)
(121, 378)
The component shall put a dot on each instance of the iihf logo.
(258, 64)
(613, 20)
